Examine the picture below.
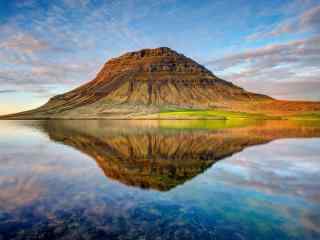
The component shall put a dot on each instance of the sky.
(49, 47)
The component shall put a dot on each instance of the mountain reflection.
(159, 154)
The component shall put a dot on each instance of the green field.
(219, 114)
(306, 116)
(211, 114)
(205, 124)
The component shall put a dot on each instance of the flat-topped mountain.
(147, 82)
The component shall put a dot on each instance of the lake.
(70, 179)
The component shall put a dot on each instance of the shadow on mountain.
(158, 154)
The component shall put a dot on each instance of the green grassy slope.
(219, 114)
(210, 114)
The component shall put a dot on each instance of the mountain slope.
(145, 82)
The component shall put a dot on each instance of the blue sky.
(49, 47)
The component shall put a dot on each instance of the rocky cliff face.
(156, 77)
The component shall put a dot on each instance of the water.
(159, 180)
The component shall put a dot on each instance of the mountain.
(147, 82)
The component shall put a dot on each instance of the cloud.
(18, 46)
(288, 86)
(8, 91)
(308, 21)
(311, 18)
(41, 77)
(288, 70)
(296, 88)
(25, 43)
(21, 47)
(303, 52)
(76, 3)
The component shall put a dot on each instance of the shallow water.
(159, 180)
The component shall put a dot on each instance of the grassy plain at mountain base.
(218, 114)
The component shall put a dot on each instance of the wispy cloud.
(288, 70)
(25, 3)
(8, 91)
(302, 52)
(24, 43)
(308, 21)
(20, 47)
(76, 3)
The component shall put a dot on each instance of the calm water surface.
(159, 180)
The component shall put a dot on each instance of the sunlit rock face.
(158, 76)
(149, 156)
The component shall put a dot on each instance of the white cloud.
(307, 21)
(289, 70)
(302, 52)
(24, 43)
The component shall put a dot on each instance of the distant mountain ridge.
(144, 82)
